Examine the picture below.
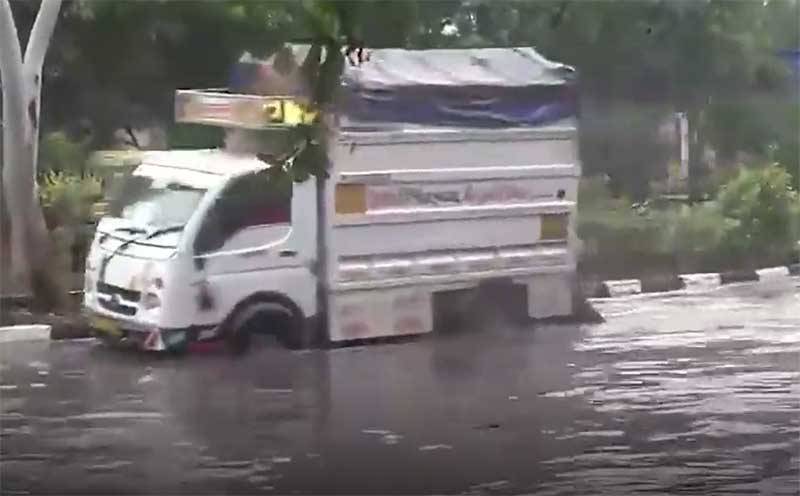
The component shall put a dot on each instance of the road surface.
(675, 394)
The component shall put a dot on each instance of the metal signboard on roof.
(220, 108)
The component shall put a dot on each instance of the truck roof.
(210, 161)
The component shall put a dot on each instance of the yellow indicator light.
(274, 111)
(351, 198)
(554, 227)
(296, 113)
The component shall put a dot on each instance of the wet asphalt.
(694, 393)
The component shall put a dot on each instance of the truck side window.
(248, 201)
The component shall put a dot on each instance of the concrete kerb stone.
(773, 273)
(59, 326)
(17, 333)
(622, 287)
(665, 283)
(705, 280)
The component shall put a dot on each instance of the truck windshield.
(154, 202)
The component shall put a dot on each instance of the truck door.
(247, 244)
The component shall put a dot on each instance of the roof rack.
(219, 107)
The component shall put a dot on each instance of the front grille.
(113, 306)
(126, 294)
(116, 299)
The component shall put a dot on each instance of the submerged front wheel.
(267, 318)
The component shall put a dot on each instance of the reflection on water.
(685, 393)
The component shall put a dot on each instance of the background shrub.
(67, 198)
(762, 212)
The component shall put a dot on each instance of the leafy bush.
(689, 231)
(67, 198)
(607, 224)
(67, 201)
(594, 194)
(762, 212)
(755, 221)
(59, 153)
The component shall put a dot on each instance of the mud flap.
(550, 295)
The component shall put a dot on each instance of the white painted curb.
(624, 287)
(773, 273)
(703, 281)
(695, 282)
(12, 334)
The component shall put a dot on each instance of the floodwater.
(680, 393)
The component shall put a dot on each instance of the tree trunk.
(697, 167)
(6, 288)
(31, 256)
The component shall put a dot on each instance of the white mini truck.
(201, 244)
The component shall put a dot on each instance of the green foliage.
(755, 221)
(622, 140)
(67, 198)
(59, 153)
(679, 54)
(594, 195)
(334, 31)
(762, 208)
(117, 63)
(693, 231)
(608, 225)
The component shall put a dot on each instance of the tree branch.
(9, 40)
(41, 33)
(11, 75)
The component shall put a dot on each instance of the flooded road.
(676, 394)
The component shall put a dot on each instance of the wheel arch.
(263, 301)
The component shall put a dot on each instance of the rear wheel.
(455, 311)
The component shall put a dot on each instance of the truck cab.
(191, 235)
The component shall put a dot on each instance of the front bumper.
(127, 333)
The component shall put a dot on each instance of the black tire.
(298, 333)
(237, 336)
(455, 311)
(288, 327)
(179, 350)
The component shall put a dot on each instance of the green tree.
(700, 57)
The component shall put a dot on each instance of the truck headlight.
(150, 301)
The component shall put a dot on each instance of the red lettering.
(355, 329)
(408, 325)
